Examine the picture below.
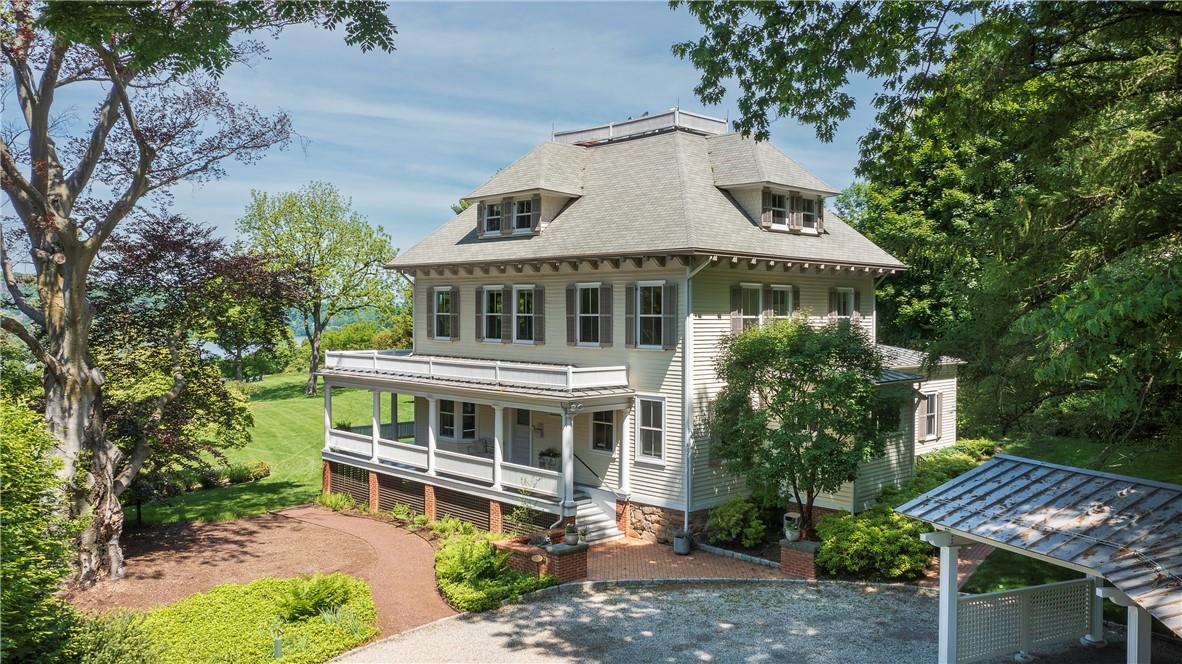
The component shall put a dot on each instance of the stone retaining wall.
(659, 524)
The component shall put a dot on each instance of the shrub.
(259, 470)
(449, 527)
(239, 473)
(236, 623)
(113, 638)
(311, 595)
(209, 478)
(877, 543)
(736, 520)
(420, 521)
(402, 512)
(342, 425)
(336, 501)
(473, 576)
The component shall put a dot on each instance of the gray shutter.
(508, 302)
(796, 212)
(507, 216)
(480, 218)
(539, 315)
(572, 294)
(736, 309)
(535, 209)
(455, 314)
(922, 431)
(630, 315)
(768, 310)
(795, 299)
(605, 315)
(820, 215)
(765, 216)
(430, 313)
(480, 301)
(832, 302)
(669, 316)
(857, 312)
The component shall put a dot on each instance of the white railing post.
(497, 371)
(570, 377)
(327, 417)
(375, 360)
(432, 418)
(498, 433)
(377, 425)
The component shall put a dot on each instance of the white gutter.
(687, 390)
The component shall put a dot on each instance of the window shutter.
(430, 313)
(669, 316)
(630, 315)
(481, 296)
(480, 218)
(765, 216)
(795, 299)
(508, 302)
(820, 215)
(833, 302)
(923, 418)
(796, 212)
(572, 293)
(857, 312)
(535, 211)
(508, 214)
(539, 315)
(939, 413)
(605, 315)
(736, 309)
(455, 314)
(769, 311)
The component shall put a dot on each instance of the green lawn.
(288, 434)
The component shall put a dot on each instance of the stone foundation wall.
(659, 524)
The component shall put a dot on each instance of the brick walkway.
(627, 558)
(970, 559)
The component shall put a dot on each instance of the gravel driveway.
(717, 623)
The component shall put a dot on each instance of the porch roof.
(505, 387)
(1125, 529)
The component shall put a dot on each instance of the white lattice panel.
(1006, 622)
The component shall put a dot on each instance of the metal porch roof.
(1125, 529)
(508, 388)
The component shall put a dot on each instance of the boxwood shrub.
(237, 622)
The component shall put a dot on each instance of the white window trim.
(484, 290)
(938, 415)
(843, 290)
(787, 210)
(615, 434)
(791, 297)
(501, 219)
(529, 228)
(659, 284)
(579, 313)
(758, 288)
(638, 457)
(435, 290)
(533, 315)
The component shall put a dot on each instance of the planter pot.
(791, 534)
(571, 538)
(681, 545)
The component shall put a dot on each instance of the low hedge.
(237, 622)
(472, 575)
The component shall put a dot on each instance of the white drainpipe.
(687, 387)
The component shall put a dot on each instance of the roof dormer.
(525, 195)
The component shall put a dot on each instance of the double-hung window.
(781, 304)
(588, 314)
(843, 302)
(603, 431)
(808, 213)
(443, 313)
(650, 429)
(649, 312)
(447, 419)
(523, 314)
(492, 218)
(523, 216)
(930, 412)
(494, 308)
(778, 205)
(750, 304)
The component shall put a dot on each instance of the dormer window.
(523, 218)
(790, 211)
(808, 210)
(778, 206)
(492, 218)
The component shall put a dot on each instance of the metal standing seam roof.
(897, 357)
(504, 386)
(1125, 529)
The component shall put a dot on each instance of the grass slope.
(288, 434)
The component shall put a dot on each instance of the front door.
(520, 445)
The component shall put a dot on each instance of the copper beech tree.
(159, 118)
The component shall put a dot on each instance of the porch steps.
(600, 526)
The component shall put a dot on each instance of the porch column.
(568, 459)
(1095, 635)
(949, 592)
(376, 433)
(498, 455)
(327, 417)
(432, 422)
(625, 465)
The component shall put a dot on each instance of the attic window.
(808, 217)
(778, 205)
(523, 219)
(492, 218)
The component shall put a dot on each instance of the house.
(565, 326)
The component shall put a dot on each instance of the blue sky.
(471, 87)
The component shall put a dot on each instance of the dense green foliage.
(336, 501)
(117, 637)
(736, 520)
(473, 576)
(796, 416)
(236, 622)
(34, 537)
(20, 377)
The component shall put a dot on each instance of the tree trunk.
(238, 364)
(315, 364)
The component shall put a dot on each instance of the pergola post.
(1095, 636)
(949, 592)
(432, 422)
(498, 436)
(1138, 649)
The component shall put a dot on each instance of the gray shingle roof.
(652, 194)
(552, 166)
(738, 161)
(896, 357)
(1126, 529)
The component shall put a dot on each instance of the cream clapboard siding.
(943, 380)
(650, 372)
(712, 485)
(895, 466)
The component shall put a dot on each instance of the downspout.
(687, 391)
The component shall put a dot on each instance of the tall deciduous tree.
(336, 258)
(159, 119)
(796, 416)
(248, 310)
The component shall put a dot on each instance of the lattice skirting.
(1022, 620)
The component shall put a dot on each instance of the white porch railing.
(407, 454)
(464, 465)
(1022, 620)
(347, 441)
(536, 480)
(489, 371)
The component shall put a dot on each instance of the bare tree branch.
(17, 329)
(14, 288)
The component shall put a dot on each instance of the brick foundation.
(373, 491)
(326, 478)
(495, 521)
(798, 559)
(566, 562)
(429, 501)
(658, 524)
